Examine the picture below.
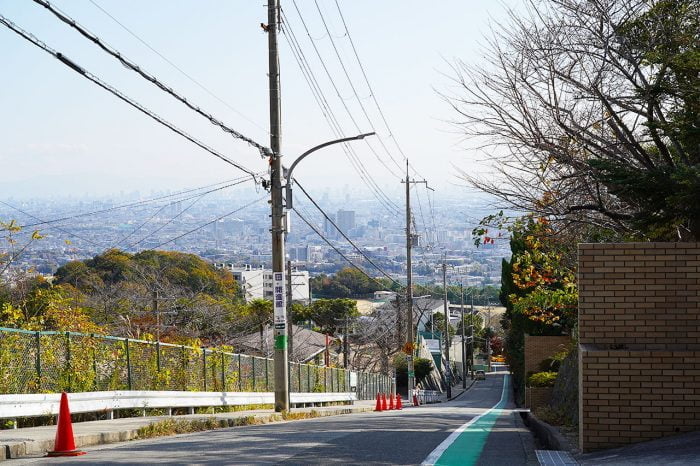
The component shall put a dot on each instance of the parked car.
(480, 375)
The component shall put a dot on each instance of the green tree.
(330, 314)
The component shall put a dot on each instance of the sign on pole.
(280, 314)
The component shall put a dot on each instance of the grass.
(185, 426)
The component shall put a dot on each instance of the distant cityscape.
(205, 225)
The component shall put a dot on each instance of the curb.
(27, 446)
(463, 391)
(550, 437)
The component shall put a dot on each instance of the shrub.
(542, 379)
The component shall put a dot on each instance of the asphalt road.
(393, 437)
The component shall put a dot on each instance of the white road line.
(435, 455)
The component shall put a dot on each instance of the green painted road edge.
(464, 445)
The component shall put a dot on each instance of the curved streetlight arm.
(288, 185)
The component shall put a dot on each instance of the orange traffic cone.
(398, 402)
(384, 407)
(378, 407)
(65, 443)
(391, 401)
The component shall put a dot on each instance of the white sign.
(279, 300)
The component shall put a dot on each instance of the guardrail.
(51, 362)
(428, 396)
(47, 404)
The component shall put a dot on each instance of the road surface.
(476, 428)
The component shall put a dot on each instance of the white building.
(257, 283)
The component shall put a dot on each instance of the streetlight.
(288, 186)
(278, 256)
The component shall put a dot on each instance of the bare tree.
(586, 110)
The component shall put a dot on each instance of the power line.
(89, 76)
(196, 199)
(336, 249)
(337, 91)
(208, 223)
(180, 70)
(232, 182)
(329, 115)
(346, 236)
(392, 136)
(359, 101)
(57, 228)
(149, 77)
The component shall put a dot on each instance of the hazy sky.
(60, 134)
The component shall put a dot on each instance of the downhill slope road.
(479, 428)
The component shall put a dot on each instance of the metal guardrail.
(32, 405)
(51, 362)
(428, 396)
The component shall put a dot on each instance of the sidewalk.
(37, 440)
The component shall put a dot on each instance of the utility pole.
(277, 211)
(464, 349)
(290, 324)
(346, 342)
(410, 339)
(447, 327)
(471, 332)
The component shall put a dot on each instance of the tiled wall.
(639, 330)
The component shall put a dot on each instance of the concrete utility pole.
(277, 210)
(410, 339)
(447, 327)
(290, 324)
(464, 348)
(471, 332)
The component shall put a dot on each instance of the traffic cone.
(384, 407)
(391, 402)
(65, 443)
(378, 407)
(399, 406)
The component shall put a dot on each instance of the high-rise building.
(328, 228)
(345, 220)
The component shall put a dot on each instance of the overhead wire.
(94, 79)
(331, 119)
(180, 70)
(394, 208)
(183, 211)
(359, 101)
(336, 249)
(332, 222)
(228, 183)
(221, 217)
(127, 63)
(89, 241)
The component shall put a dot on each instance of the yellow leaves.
(36, 235)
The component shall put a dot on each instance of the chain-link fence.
(48, 362)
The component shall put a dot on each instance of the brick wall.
(539, 348)
(639, 334)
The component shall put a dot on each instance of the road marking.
(464, 445)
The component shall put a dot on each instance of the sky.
(61, 135)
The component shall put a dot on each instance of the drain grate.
(554, 458)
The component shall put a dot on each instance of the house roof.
(306, 343)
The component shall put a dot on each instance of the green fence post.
(253, 365)
(183, 369)
(37, 339)
(308, 378)
(68, 371)
(240, 375)
(300, 386)
(158, 355)
(204, 367)
(325, 379)
(128, 364)
(267, 375)
(95, 383)
(223, 372)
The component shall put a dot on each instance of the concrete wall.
(639, 334)
(539, 348)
